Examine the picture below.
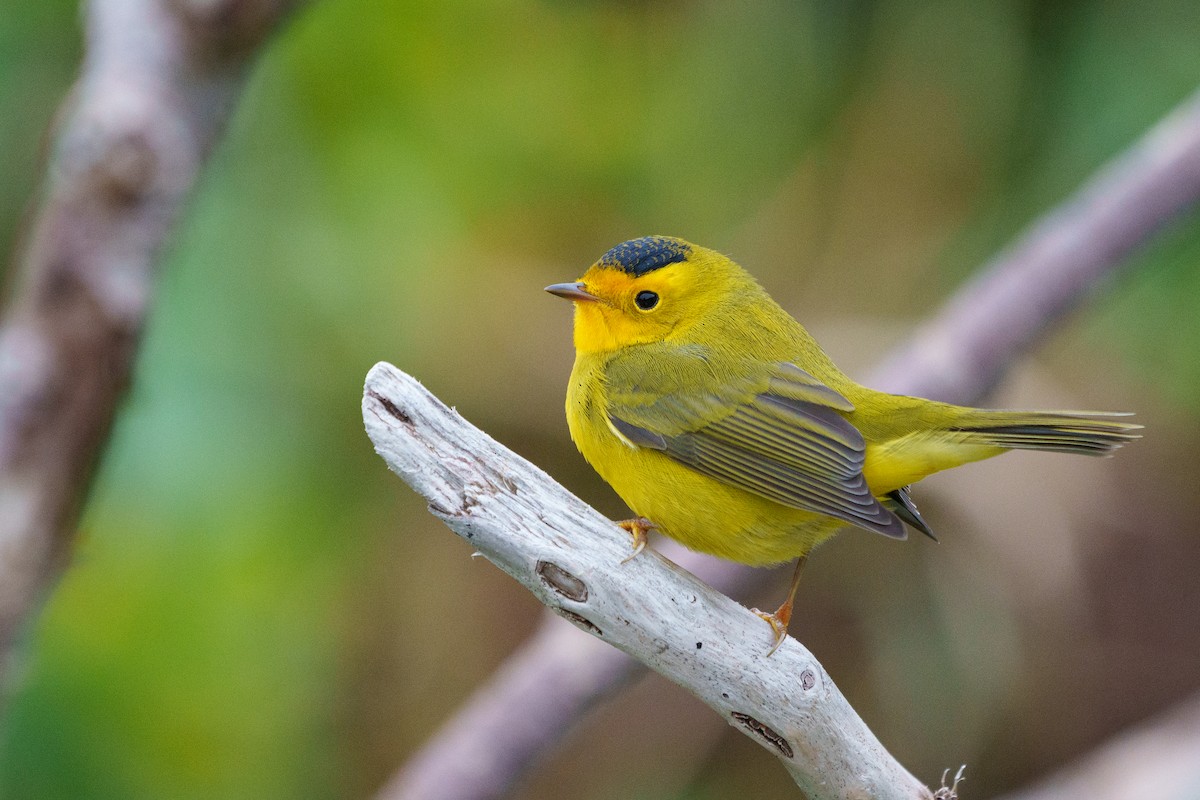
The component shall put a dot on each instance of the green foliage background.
(256, 609)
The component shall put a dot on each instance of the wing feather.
(773, 430)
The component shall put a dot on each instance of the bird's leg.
(783, 615)
(638, 527)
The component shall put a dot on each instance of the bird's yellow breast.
(698, 511)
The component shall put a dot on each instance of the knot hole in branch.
(567, 585)
(562, 582)
(763, 732)
(391, 408)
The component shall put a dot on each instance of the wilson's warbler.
(722, 424)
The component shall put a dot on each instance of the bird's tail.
(1093, 433)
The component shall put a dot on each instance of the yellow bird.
(721, 423)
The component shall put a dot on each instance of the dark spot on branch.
(500, 484)
(699, 645)
(129, 168)
(391, 408)
(439, 510)
(61, 290)
(227, 30)
(562, 581)
(582, 622)
(763, 732)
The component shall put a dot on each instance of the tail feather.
(1085, 432)
(900, 504)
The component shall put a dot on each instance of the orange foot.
(638, 527)
(783, 615)
(778, 622)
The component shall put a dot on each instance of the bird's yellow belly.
(701, 513)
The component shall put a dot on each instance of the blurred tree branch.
(1157, 760)
(156, 87)
(573, 559)
(957, 356)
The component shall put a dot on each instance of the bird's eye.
(646, 300)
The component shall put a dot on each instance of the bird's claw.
(637, 527)
(778, 626)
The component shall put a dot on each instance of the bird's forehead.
(607, 282)
(639, 256)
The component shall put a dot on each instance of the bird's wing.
(770, 429)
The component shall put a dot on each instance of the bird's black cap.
(639, 256)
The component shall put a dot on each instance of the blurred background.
(258, 609)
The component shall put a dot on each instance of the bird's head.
(647, 289)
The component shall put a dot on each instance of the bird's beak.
(571, 291)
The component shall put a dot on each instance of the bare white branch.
(571, 558)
